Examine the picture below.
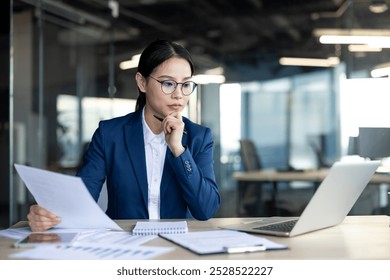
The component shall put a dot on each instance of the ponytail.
(141, 101)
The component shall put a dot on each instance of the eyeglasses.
(168, 87)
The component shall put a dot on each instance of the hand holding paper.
(41, 219)
(67, 197)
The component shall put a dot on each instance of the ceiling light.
(215, 71)
(379, 38)
(358, 40)
(351, 32)
(382, 70)
(378, 6)
(129, 64)
(209, 79)
(313, 62)
(363, 48)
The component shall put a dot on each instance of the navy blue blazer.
(117, 154)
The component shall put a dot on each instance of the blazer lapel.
(135, 146)
(168, 173)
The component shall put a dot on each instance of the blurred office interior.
(265, 73)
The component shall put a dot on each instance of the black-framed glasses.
(168, 86)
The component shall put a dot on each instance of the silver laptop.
(328, 207)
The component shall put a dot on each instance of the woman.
(157, 164)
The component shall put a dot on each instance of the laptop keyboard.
(286, 226)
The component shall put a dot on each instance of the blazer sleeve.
(93, 169)
(195, 172)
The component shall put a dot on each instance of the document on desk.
(67, 197)
(222, 241)
(92, 252)
(91, 244)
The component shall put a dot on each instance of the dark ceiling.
(231, 33)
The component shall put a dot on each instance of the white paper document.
(67, 197)
(92, 252)
(92, 245)
(15, 233)
(216, 241)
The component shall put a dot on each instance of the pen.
(161, 119)
(245, 249)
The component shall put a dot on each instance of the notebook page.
(155, 228)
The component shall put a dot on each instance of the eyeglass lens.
(169, 86)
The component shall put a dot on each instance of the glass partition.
(60, 92)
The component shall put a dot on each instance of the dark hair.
(155, 54)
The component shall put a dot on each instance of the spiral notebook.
(155, 228)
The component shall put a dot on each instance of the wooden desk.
(358, 237)
(274, 177)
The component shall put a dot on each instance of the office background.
(62, 73)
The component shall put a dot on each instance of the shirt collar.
(149, 136)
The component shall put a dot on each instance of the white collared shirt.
(155, 150)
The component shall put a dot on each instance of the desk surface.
(315, 175)
(358, 237)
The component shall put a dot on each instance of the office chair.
(250, 195)
(249, 155)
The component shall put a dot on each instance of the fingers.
(173, 127)
(173, 123)
(40, 219)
